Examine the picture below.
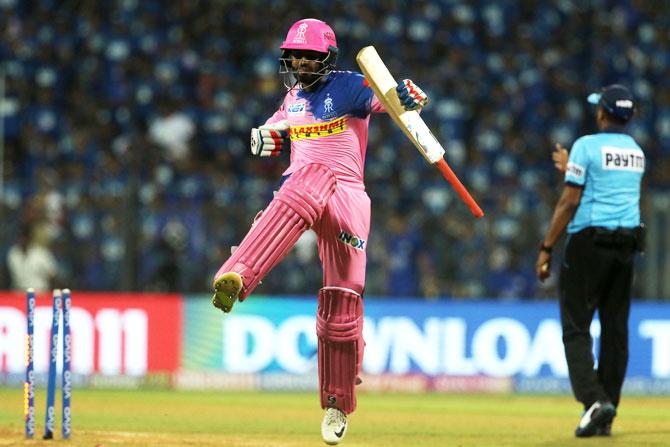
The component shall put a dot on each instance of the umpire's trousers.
(596, 274)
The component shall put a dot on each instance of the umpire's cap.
(616, 99)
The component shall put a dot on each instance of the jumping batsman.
(324, 120)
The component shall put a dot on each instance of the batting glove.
(410, 95)
(270, 140)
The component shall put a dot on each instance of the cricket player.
(324, 121)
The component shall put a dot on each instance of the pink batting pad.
(296, 206)
(339, 326)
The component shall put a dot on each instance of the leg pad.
(339, 327)
(297, 205)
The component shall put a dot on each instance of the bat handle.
(458, 186)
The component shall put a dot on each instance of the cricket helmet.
(310, 34)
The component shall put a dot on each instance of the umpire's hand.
(560, 157)
(543, 265)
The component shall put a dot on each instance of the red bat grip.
(460, 189)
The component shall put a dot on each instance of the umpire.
(600, 205)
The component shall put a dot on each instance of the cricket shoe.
(604, 430)
(598, 415)
(227, 288)
(334, 426)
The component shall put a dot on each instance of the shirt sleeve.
(578, 164)
(279, 115)
(376, 106)
(363, 99)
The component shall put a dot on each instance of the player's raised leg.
(295, 208)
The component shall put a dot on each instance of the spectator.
(172, 130)
(30, 262)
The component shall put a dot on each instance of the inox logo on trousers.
(110, 341)
(498, 347)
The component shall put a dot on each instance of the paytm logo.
(621, 159)
(576, 171)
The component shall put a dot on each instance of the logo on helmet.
(300, 34)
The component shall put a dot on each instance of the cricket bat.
(411, 123)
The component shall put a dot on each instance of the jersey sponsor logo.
(318, 130)
(575, 170)
(622, 159)
(297, 108)
(352, 240)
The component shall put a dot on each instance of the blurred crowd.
(126, 133)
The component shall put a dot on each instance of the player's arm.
(410, 95)
(576, 168)
(271, 138)
(563, 214)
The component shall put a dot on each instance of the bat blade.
(410, 122)
(384, 85)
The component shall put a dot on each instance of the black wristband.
(545, 248)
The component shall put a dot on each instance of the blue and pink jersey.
(330, 125)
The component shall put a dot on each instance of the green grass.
(108, 418)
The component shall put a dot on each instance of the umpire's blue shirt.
(610, 167)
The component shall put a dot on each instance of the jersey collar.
(613, 128)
